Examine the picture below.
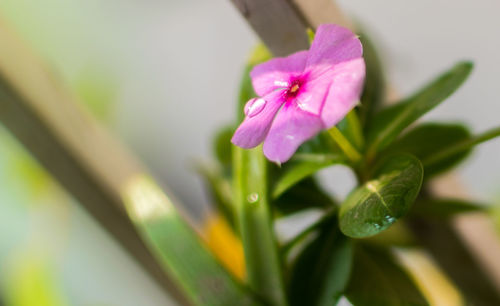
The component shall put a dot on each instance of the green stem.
(264, 268)
(345, 145)
(355, 126)
(461, 146)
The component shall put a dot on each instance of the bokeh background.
(163, 76)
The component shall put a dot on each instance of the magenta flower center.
(293, 89)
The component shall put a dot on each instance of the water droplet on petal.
(254, 106)
(253, 197)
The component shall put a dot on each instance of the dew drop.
(253, 197)
(377, 226)
(390, 219)
(254, 106)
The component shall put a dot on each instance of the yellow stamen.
(294, 88)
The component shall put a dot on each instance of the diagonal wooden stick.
(107, 181)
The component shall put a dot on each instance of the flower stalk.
(345, 145)
(263, 264)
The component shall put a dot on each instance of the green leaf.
(218, 186)
(179, 250)
(387, 124)
(320, 145)
(427, 139)
(374, 88)
(222, 145)
(377, 280)
(303, 195)
(378, 203)
(459, 147)
(297, 171)
(255, 225)
(321, 271)
(446, 208)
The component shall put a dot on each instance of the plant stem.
(355, 126)
(461, 146)
(263, 264)
(345, 145)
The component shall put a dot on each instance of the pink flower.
(303, 93)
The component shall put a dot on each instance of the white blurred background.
(171, 69)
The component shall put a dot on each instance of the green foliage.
(377, 280)
(222, 145)
(446, 208)
(179, 250)
(427, 139)
(303, 195)
(321, 272)
(299, 170)
(377, 204)
(374, 90)
(391, 121)
(327, 259)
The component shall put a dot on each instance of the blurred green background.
(148, 70)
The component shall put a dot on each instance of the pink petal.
(333, 44)
(276, 72)
(254, 129)
(289, 130)
(333, 93)
(344, 92)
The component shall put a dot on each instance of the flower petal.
(276, 73)
(335, 92)
(254, 129)
(333, 44)
(289, 130)
(344, 92)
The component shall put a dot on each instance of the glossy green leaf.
(378, 280)
(303, 195)
(380, 202)
(387, 124)
(374, 88)
(446, 208)
(427, 139)
(321, 271)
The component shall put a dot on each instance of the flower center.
(294, 89)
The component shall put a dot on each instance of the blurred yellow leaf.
(222, 241)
